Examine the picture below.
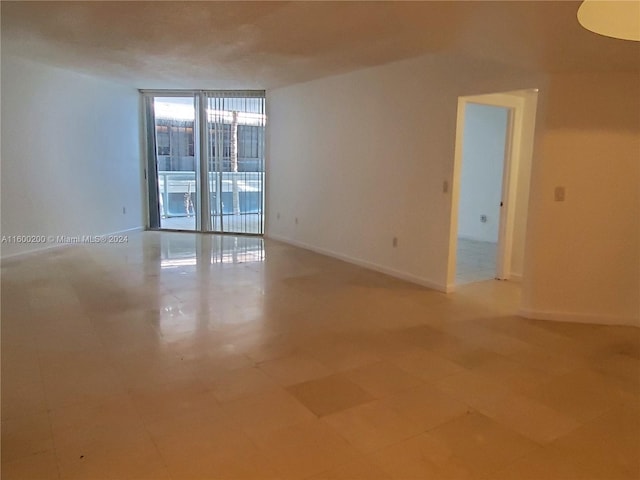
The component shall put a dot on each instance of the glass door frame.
(201, 153)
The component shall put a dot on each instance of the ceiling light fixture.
(611, 18)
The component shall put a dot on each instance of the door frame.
(513, 148)
(201, 149)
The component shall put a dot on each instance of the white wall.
(582, 258)
(361, 158)
(527, 140)
(70, 154)
(485, 129)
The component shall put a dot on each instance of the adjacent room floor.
(475, 261)
(186, 356)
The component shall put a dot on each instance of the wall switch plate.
(445, 186)
(559, 194)
(483, 218)
(394, 242)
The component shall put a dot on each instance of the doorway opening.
(484, 148)
(490, 189)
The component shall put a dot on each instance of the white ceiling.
(175, 44)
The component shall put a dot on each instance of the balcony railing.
(178, 192)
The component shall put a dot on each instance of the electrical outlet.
(483, 218)
(296, 220)
(278, 216)
(558, 194)
(445, 186)
(394, 242)
(124, 210)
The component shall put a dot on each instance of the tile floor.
(475, 261)
(184, 356)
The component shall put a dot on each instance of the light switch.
(559, 194)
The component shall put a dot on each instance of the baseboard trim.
(579, 317)
(18, 255)
(363, 263)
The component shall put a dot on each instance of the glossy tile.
(195, 356)
(420, 457)
(480, 444)
(372, 426)
(41, 466)
(305, 449)
(25, 436)
(327, 395)
(383, 378)
(426, 406)
(360, 469)
(266, 411)
(294, 368)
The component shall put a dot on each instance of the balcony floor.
(244, 223)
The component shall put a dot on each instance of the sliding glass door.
(176, 162)
(206, 148)
(235, 127)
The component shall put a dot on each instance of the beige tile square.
(114, 463)
(425, 406)
(222, 463)
(470, 357)
(305, 449)
(340, 352)
(240, 383)
(532, 419)
(512, 374)
(555, 464)
(294, 369)
(22, 398)
(114, 423)
(581, 394)
(425, 365)
(278, 347)
(550, 361)
(155, 402)
(82, 387)
(481, 445)
(40, 466)
(25, 436)
(267, 411)
(473, 389)
(383, 378)
(331, 394)
(607, 446)
(360, 469)
(422, 336)
(372, 426)
(500, 343)
(420, 457)
(212, 446)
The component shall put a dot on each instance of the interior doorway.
(484, 149)
(494, 146)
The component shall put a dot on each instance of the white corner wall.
(582, 259)
(70, 154)
(361, 158)
(527, 141)
(483, 151)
